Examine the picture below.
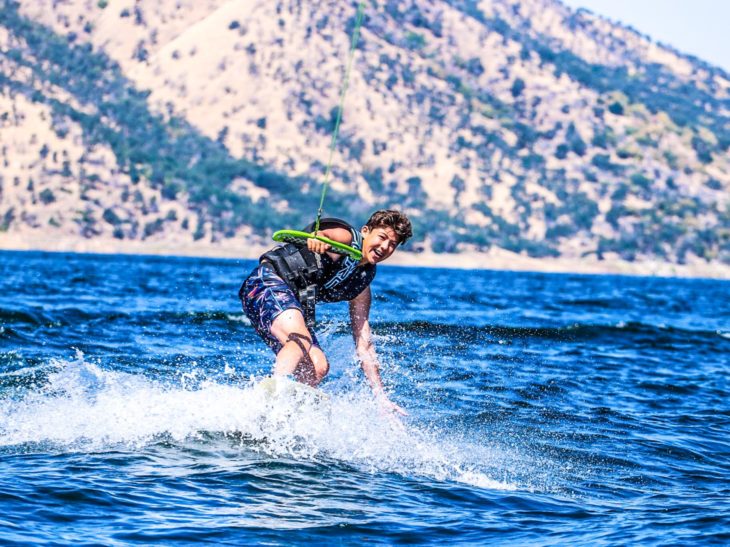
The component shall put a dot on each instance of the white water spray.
(83, 407)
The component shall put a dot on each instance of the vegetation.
(633, 141)
(169, 154)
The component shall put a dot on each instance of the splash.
(84, 407)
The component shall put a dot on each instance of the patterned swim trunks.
(264, 296)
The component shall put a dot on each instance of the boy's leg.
(298, 356)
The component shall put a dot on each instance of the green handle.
(297, 237)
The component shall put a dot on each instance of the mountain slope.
(526, 127)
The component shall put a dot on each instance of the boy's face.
(378, 243)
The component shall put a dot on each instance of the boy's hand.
(393, 413)
(317, 246)
(389, 406)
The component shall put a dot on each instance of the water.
(543, 409)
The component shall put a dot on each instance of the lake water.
(543, 409)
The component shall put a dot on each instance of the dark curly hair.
(394, 220)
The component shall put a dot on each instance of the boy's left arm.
(359, 318)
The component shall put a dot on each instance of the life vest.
(318, 278)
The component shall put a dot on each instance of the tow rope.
(298, 237)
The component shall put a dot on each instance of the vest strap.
(297, 269)
(299, 340)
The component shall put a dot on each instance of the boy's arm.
(335, 234)
(359, 318)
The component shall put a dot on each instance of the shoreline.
(494, 259)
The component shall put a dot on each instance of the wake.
(86, 408)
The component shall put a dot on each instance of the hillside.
(523, 127)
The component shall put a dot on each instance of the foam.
(84, 407)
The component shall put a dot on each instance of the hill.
(528, 128)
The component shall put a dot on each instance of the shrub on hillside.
(616, 108)
(518, 87)
(46, 196)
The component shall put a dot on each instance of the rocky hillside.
(523, 126)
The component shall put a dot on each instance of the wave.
(12, 322)
(574, 331)
(83, 407)
(13, 316)
(71, 316)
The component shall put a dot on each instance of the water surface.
(543, 409)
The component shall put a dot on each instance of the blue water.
(543, 409)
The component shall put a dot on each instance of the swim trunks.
(264, 296)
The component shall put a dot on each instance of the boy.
(279, 295)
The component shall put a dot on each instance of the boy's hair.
(394, 220)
